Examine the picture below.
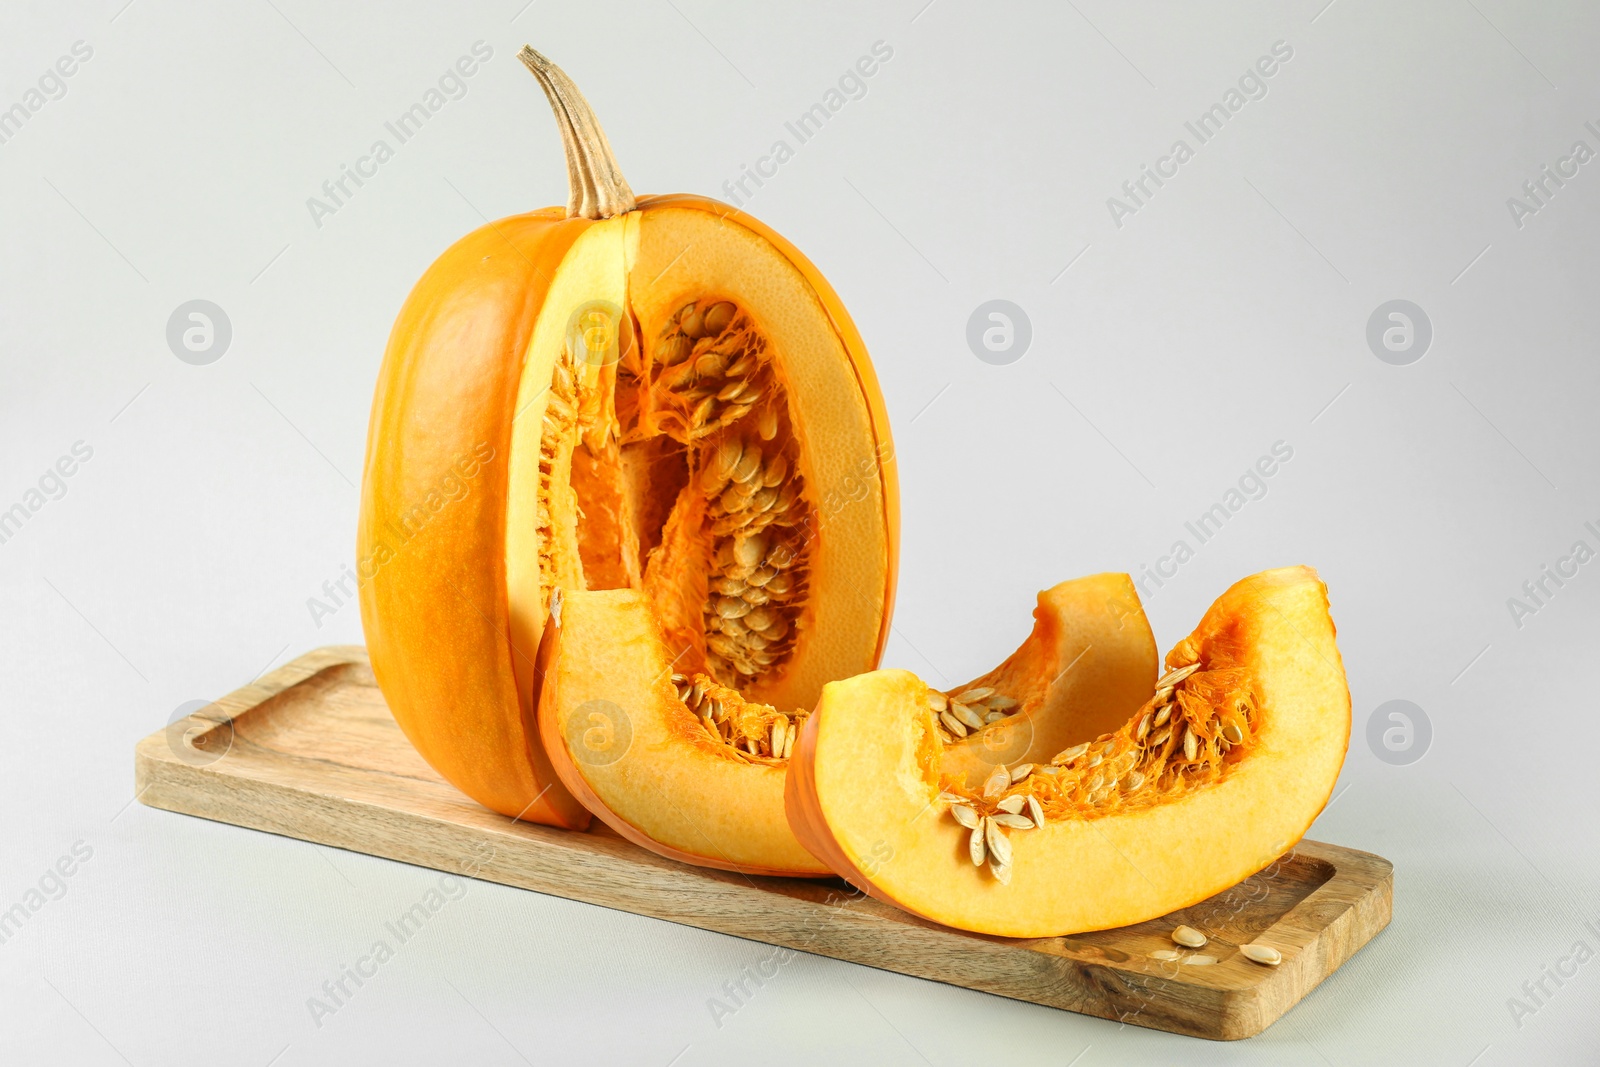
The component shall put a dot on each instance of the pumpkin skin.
(454, 581)
(869, 761)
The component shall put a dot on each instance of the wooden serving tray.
(311, 751)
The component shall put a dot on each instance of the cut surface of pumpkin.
(695, 770)
(675, 762)
(1218, 772)
(663, 396)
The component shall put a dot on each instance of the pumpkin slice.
(649, 394)
(695, 770)
(1089, 661)
(1214, 777)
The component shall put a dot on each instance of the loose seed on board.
(1012, 805)
(1164, 954)
(1189, 937)
(1201, 961)
(1265, 955)
(965, 816)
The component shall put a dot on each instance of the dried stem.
(596, 188)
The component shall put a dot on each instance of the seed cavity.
(748, 732)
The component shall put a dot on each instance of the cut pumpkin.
(1218, 773)
(626, 395)
(695, 770)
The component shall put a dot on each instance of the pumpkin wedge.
(630, 394)
(1218, 773)
(695, 770)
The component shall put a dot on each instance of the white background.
(1227, 314)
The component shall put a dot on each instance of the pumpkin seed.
(1165, 954)
(976, 696)
(1162, 716)
(975, 848)
(965, 816)
(1015, 822)
(1189, 937)
(999, 844)
(1200, 961)
(1020, 771)
(717, 318)
(1233, 734)
(1001, 703)
(1001, 872)
(1172, 678)
(1012, 804)
(1265, 955)
(966, 715)
(998, 782)
(1035, 810)
(1191, 744)
(953, 724)
(1068, 755)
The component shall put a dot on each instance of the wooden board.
(310, 751)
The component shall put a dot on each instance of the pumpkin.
(1212, 777)
(657, 395)
(695, 771)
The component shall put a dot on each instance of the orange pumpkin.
(1219, 771)
(622, 395)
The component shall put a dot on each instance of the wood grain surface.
(310, 751)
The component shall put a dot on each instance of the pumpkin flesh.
(867, 779)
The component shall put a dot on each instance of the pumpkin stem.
(596, 188)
